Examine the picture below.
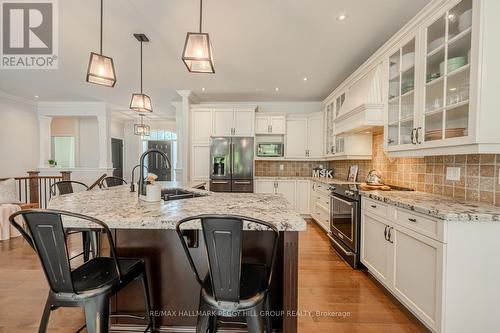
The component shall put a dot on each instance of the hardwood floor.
(355, 303)
(351, 301)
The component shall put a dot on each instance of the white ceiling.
(258, 45)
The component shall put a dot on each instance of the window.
(63, 151)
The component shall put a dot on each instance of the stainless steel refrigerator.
(231, 164)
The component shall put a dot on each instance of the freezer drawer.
(242, 186)
(220, 185)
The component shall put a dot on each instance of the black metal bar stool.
(231, 287)
(90, 285)
(90, 240)
(111, 181)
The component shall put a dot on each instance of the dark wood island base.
(174, 290)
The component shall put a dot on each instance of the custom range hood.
(363, 107)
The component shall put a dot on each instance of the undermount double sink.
(178, 194)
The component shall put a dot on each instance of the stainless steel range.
(345, 222)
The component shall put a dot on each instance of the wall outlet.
(282, 167)
(453, 173)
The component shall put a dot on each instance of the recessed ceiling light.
(341, 17)
(36, 96)
(305, 79)
(203, 89)
(276, 89)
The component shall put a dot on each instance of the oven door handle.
(346, 252)
(350, 203)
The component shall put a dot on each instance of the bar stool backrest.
(65, 187)
(111, 181)
(223, 235)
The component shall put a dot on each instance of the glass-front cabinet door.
(401, 100)
(329, 129)
(447, 75)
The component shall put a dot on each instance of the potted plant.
(52, 163)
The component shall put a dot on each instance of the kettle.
(374, 178)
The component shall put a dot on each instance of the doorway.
(156, 164)
(117, 157)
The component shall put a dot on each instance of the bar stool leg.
(45, 317)
(269, 327)
(147, 298)
(97, 314)
(203, 323)
(255, 322)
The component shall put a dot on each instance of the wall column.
(104, 142)
(45, 144)
(182, 120)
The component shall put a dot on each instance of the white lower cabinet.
(287, 188)
(320, 204)
(295, 191)
(200, 162)
(418, 268)
(265, 186)
(409, 264)
(302, 193)
(376, 249)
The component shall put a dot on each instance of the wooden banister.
(34, 190)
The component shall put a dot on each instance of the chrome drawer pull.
(373, 206)
(412, 220)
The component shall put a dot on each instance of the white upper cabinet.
(278, 124)
(223, 122)
(315, 136)
(201, 125)
(440, 97)
(244, 120)
(265, 124)
(296, 138)
(304, 137)
(233, 122)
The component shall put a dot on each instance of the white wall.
(88, 142)
(18, 137)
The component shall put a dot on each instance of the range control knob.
(331, 188)
(349, 193)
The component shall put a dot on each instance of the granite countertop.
(438, 206)
(121, 209)
(328, 181)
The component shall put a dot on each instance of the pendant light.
(197, 54)
(101, 69)
(141, 102)
(141, 129)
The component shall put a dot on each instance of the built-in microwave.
(270, 149)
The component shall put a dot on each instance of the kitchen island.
(147, 230)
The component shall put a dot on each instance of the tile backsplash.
(479, 173)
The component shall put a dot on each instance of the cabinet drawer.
(422, 224)
(321, 189)
(323, 201)
(376, 207)
(322, 216)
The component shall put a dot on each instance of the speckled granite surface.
(328, 181)
(121, 209)
(441, 207)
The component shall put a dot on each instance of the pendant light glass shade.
(142, 129)
(141, 103)
(101, 70)
(197, 55)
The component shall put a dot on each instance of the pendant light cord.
(201, 13)
(141, 67)
(101, 24)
